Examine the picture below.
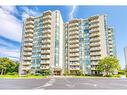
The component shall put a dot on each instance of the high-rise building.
(87, 43)
(26, 47)
(42, 44)
(73, 47)
(111, 42)
(125, 54)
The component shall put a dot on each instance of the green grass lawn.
(40, 76)
(113, 76)
(23, 77)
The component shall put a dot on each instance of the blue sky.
(11, 18)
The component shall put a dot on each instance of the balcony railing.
(26, 68)
(26, 63)
(44, 67)
(28, 49)
(74, 68)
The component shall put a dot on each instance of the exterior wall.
(111, 42)
(98, 48)
(87, 63)
(75, 46)
(125, 53)
(61, 47)
(66, 47)
(26, 47)
(37, 43)
(73, 43)
(45, 43)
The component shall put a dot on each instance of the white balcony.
(73, 33)
(76, 41)
(47, 26)
(73, 37)
(30, 31)
(74, 64)
(29, 26)
(93, 68)
(45, 22)
(29, 35)
(26, 68)
(46, 31)
(45, 57)
(45, 62)
(94, 39)
(46, 36)
(95, 58)
(26, 63)
(73, 46)
(74, 59)
(93, 35)
(45, 52)
(30, 22)
(28, 49)
(95, 53)
(44, 67)
(94, 63)
(94, 21)
(74, 68)
(74, 50)
(73, 29)
(94, 44)
(28, 44)
(45, 17)
(27, 58)
(46, 41)
(29, 53)
(28, 40)
(74, 54)
(110, 42)
(95, 49)
(46, 46)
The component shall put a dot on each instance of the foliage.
(8, 66)
(79, 73)
(13, 73)
(66, 73)
(45, 72)
(126, 70)
(108, 65)
(122, 72)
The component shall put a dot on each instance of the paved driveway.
(64, 83)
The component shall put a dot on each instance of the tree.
(108, 65)
(7, 66)
(45, 72)
(126, 69)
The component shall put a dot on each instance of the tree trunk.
(2, 72)
(5, 71)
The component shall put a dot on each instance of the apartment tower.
(45, 44)
(74, 47)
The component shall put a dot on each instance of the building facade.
(73, 47)
(44, 49)
(125, 54)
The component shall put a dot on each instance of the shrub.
(13, 73)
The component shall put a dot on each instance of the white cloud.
(10, 26)
(11, 53)
(72, 13)
(29, 12)
(10, 9)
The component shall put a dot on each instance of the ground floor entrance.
(57, 71)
